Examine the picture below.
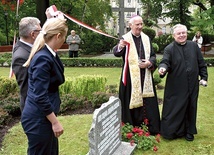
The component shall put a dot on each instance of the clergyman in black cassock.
(184, 63)
(137, 91)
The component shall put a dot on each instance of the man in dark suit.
(29, 28)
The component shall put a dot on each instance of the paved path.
(209, 52)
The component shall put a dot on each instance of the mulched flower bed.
(4, 129)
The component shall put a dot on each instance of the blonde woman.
(45, 74)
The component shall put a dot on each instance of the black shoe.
(189, 137)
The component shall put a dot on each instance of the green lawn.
(74, 141)
(112, 74)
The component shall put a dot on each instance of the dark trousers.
(73, 54)
(46, 144)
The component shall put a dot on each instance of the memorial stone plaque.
(105, 132)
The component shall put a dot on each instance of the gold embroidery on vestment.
(136, 92)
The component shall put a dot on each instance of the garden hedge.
(5, 60)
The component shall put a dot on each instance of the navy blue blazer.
(45, 75)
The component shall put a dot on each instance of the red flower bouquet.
(140, 136)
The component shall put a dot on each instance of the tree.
(92, 12)
(201, 3)
(178, 11)
(152, 11)
(204, 16)
(8, 18)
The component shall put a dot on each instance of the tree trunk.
(41, 6)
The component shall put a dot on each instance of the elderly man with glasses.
(29, 28)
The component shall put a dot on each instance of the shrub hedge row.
(75, 93)
(78, 92)
(5, 60)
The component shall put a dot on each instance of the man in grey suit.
(29, 28)
(73, 41)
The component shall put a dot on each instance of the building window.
(164, 30)
(138, 11)
(128, 15)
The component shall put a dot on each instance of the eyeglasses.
(36, 30)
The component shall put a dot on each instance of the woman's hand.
(57, 129)
(56, 125)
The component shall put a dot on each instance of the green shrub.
(157, 79)
(9, 108)
(7, 87)
(75, 93)
(112, 89)
(190, 35)
(99, 98)
(108, 62)
(150, 32)
(4, 117)
(209, 61)
(5, 58)
(162, 41)
(11, 104)
(9, 99)
(2, 38)
(155, 47)
(94, 43)
(2, 61)
(91, 62)
(84, 85)
(71, 102)
(148, 22)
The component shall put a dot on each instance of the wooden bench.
(212, 43)
(8, 48)
(206, 47)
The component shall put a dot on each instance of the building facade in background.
(113, 23)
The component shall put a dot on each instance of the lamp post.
(5, 17)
